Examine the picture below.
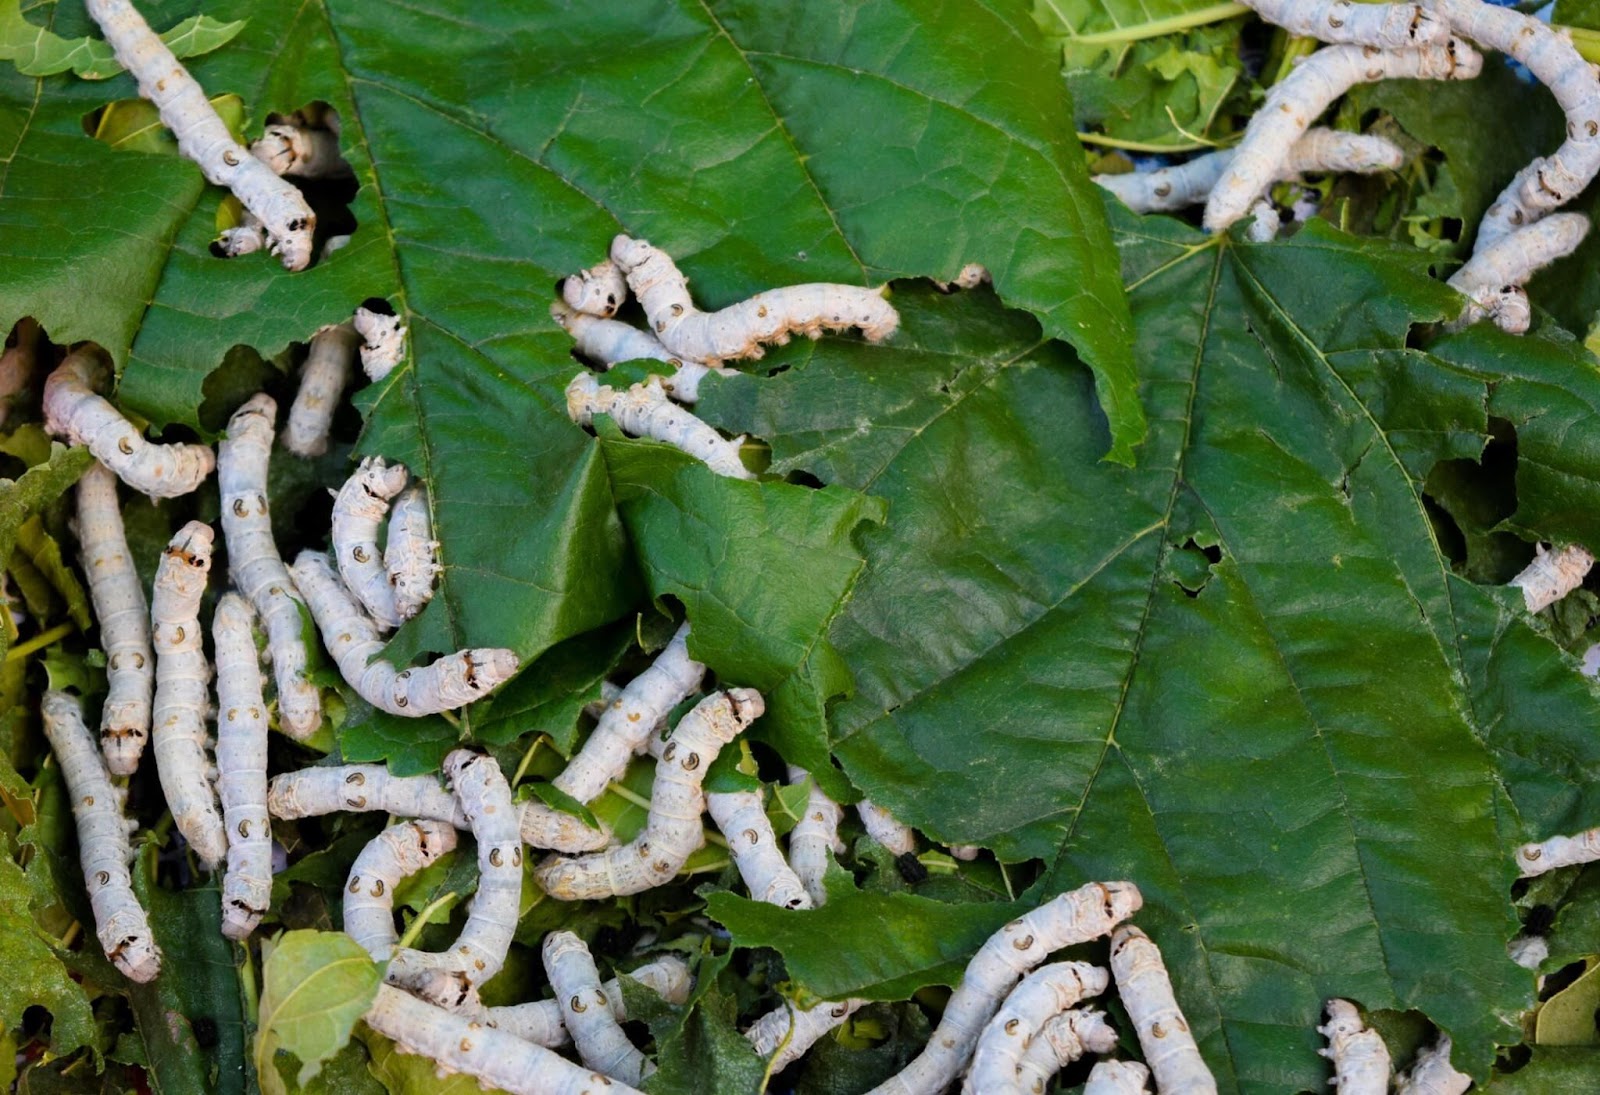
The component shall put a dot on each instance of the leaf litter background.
(1243, 672)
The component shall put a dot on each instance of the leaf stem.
(527, 759)
(41, 640)
(1103, 141)
(1200, 17)
(777, 1051)
(425, 917)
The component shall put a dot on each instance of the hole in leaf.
(1190, 565)
(802, 478)
(1476, 496)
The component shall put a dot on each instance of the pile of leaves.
(1171, 557)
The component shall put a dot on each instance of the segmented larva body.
(411, 555)
(330, 362)
(1292, 105)
(312, 792)
(383, 343)
(1164, 1035)
(300, 151)
(627, 721)
(480, 949)
(598, 291)
(1513, 259)
(802, 1027)
(606, 342)
(120, 921)
(540, 1021)
(1046, 991)
(1559, 851)
(359, 508)
(1117, 1078)
(447, 683)
(1086, 913)
(1549, 54)
(1507, 305)
(17, 364)
(1360, 1059)
(203, 136)
(1061, 1040)
(739, 330)
(1191, 182)
(124, 617)
(673, 831)
(585, 1010)
(1528, 951)
(965, 852)
(256, 566)
(645, 411)
(1432, 1073)
(494, 1058)
(182, 698)
(813, 837)
(742, 819)
(970, 276)
(1267, 220)
(73, 410)
(1386, 26)
(242, 767)
(1553, 574)
(394, 854)
(882, 827)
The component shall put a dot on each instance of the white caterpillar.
(1264, 228)
(1086, 913)
(1549, 54)
(743, 820)
(882, 827)
(803, 1027)
(120, 921)
(312, 792)
(965, 852)
(411, 555)
(1559, 851)
(1529, 951)
(494, 1058)
(1513, 259)
(182, 696)
(1117, 1078)
(394, 854)
(447, 683)
(359, 508)
(255, 564)
(673, 831)
(970, 276)
(1062, 1039)
(1164, 1035)
(540, 1021)
(1553, 574)
(1046, 991)
(329, 365)
(1360, 1059)
(595, 1032)
(383, 343)
(1387, 26)
(645, 411)
(242, 768)
(300, 151)
(73, 410)
(740, 329)
(813, 837)
(1432, 1073)
(606, 342)
(628, 720)
(597, 291)
(1507, 305)
(481, 948)
(124, 621)
(202, 136)
(1291, 107)
(1191, 182)
(18, 362)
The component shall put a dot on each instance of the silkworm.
(75, 411)
(1514, 258)
(1386, 26)
(1046, 991)
(1292, 105)
(255, 565)
(1164, 1035)
(242, 768)
(598, 291)
(742, 819)
(300, 151)
(601, 1043)
(203, 136)
(739, 330)
(1432, 1073)
(383, 343)
(124, 616)
(645, 411)
(882, 827)
(359, 509)
(672, 832)
(120, 921)
(1360, 1059)
(606, 342)
(1117, 1078)
(447, 683)
(1553, 574)
(1088, 912)
(397, 853)
(411, 556)
(1559, 851)
(330, 362)
(627, 722)
(813, 837)
(803, 1027)
(1061, 1040)
(182, 696)
(540, 1021)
